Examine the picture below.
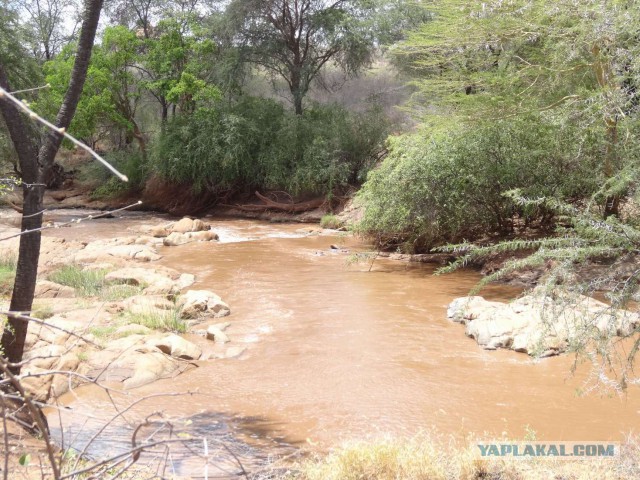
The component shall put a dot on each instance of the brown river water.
(336, 350)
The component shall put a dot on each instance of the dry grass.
(427, 457)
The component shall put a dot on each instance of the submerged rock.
(216, 334)
(176, 346)
(189, 225)
(538, 324)
(175, 239)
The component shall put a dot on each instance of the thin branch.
(71, 222)
(61, 130)
(31, 89)
(36, 414)
(26, 318)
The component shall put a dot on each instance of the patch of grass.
(168, 321)
(114, 293)
(8, 263)
(112, 188)
(331, 221)
(86, 282)
(103, 331)
(42, 312)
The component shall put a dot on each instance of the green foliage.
(111, 91)
(20, 67)
(8, 263)
(296, 40)
(256, 143)
(127, 161)
(331, 221)
(176, 64)
(169, 320)
(495, 58)
(436, 188)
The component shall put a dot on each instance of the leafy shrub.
(257, 143)
(128, 162)
(439, 188)
(331, 221)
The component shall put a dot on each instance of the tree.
(295, 39)
(36, 164)
(111, 92)
(176, 49)
(47, 23)
(479, 60)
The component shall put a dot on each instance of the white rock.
(188, 225)
(217, 335)
(47, 289)
(196, 303)
(176, 346)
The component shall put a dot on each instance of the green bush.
(256, 143)
(128, 162)
(331, 221)
(433, 189)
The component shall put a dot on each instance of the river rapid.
(333, 350)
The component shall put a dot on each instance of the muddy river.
(336, 350)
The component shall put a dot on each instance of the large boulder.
(176, 238)
(104, 251)
(200, 303)
(144, 304)
(47, 289)
(538, 324)
(176, 346)
(216, 334)
(155, 282)
(189, 225)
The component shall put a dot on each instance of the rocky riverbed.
(127, 332)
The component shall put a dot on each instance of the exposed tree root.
(285, 207)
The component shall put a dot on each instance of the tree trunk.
(139, 136)
(602, 70)
(297, 103)
(35, 168)
(612, 203)
(13, 338)
(165, 112)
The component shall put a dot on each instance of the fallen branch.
(285, 207)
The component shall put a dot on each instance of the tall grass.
(8, 263)
(86, 282)
(90, 283)
(163, 320)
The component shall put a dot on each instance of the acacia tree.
(36, 165)
(46, 21)
(495, 59)
(111, 92)
(295, 39)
